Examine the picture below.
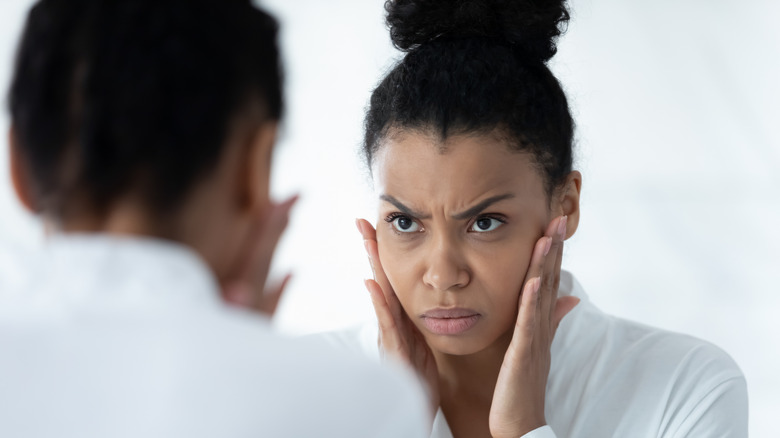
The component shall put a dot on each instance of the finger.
(274, 226)
(263, 236)
(538, 257)
(559, 254)
(372, 249)
(271, 297)
(368, 233)
(526, 324)
(267, 237)
(366, 229)
(239, 294)
(381, 278)
(551, 271)
(556, 283)
(563, 306)
(388, 329)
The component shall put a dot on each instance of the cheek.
(397, 268)
(502, 271)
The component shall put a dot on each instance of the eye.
(405, 224)
(485, 224)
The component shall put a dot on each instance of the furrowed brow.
(404, 209)
(475, 210)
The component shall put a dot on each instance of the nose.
(446, 269)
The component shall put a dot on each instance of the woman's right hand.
(398, 336)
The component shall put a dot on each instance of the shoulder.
(593, 338)
(13, 261)
(607, 348)
(339, 391)
(201, 373)
(663, 356)
(658, 379)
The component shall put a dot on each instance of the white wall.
(676, 104)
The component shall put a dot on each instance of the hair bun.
(530, 25)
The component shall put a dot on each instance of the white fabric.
(441, 429)
(616, 378)
(542, 432)
(117, 337)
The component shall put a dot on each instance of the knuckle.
(547, 281)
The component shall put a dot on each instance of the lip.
(451, 321)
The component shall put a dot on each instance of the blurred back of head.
(117, 98)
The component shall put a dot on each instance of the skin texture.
(227, 218)
(446, 262)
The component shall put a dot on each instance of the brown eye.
(405, 224)
(485, 224)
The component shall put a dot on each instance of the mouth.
(452, 321)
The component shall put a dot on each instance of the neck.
(474, 375)
(198, 224)
(125, 219)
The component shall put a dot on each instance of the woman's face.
(457, 225)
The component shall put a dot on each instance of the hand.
(518, 400)
(398, 336)
(246, 286)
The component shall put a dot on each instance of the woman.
(469, 141)
(142, 133)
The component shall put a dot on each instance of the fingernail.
(534, 285)
(370, 262)
(562, 227)
(547, 245)
(357, 224)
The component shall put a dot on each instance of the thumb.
(271, 297)
(239, 294)
(563, 306)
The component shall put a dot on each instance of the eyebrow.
(406, 210)
(473, 211)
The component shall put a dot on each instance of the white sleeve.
(722, 412)
(540, 432)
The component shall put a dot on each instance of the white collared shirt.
(117, 337)
(611, 377)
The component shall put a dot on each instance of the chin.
(458, 345)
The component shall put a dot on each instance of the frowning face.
(457, 224)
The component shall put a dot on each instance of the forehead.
(458, 170)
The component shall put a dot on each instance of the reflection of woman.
(142, 133)
(469, 139)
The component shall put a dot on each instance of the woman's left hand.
(518, 400)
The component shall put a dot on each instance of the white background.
(677, 108)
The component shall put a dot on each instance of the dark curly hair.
(477, 66)
(112, 97)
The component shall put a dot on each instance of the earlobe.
(570, 201)
(20, 178)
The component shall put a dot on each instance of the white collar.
(569, 286)
(123, 271)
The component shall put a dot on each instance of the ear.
(20, 178)
(569, 198)
(257, 165)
